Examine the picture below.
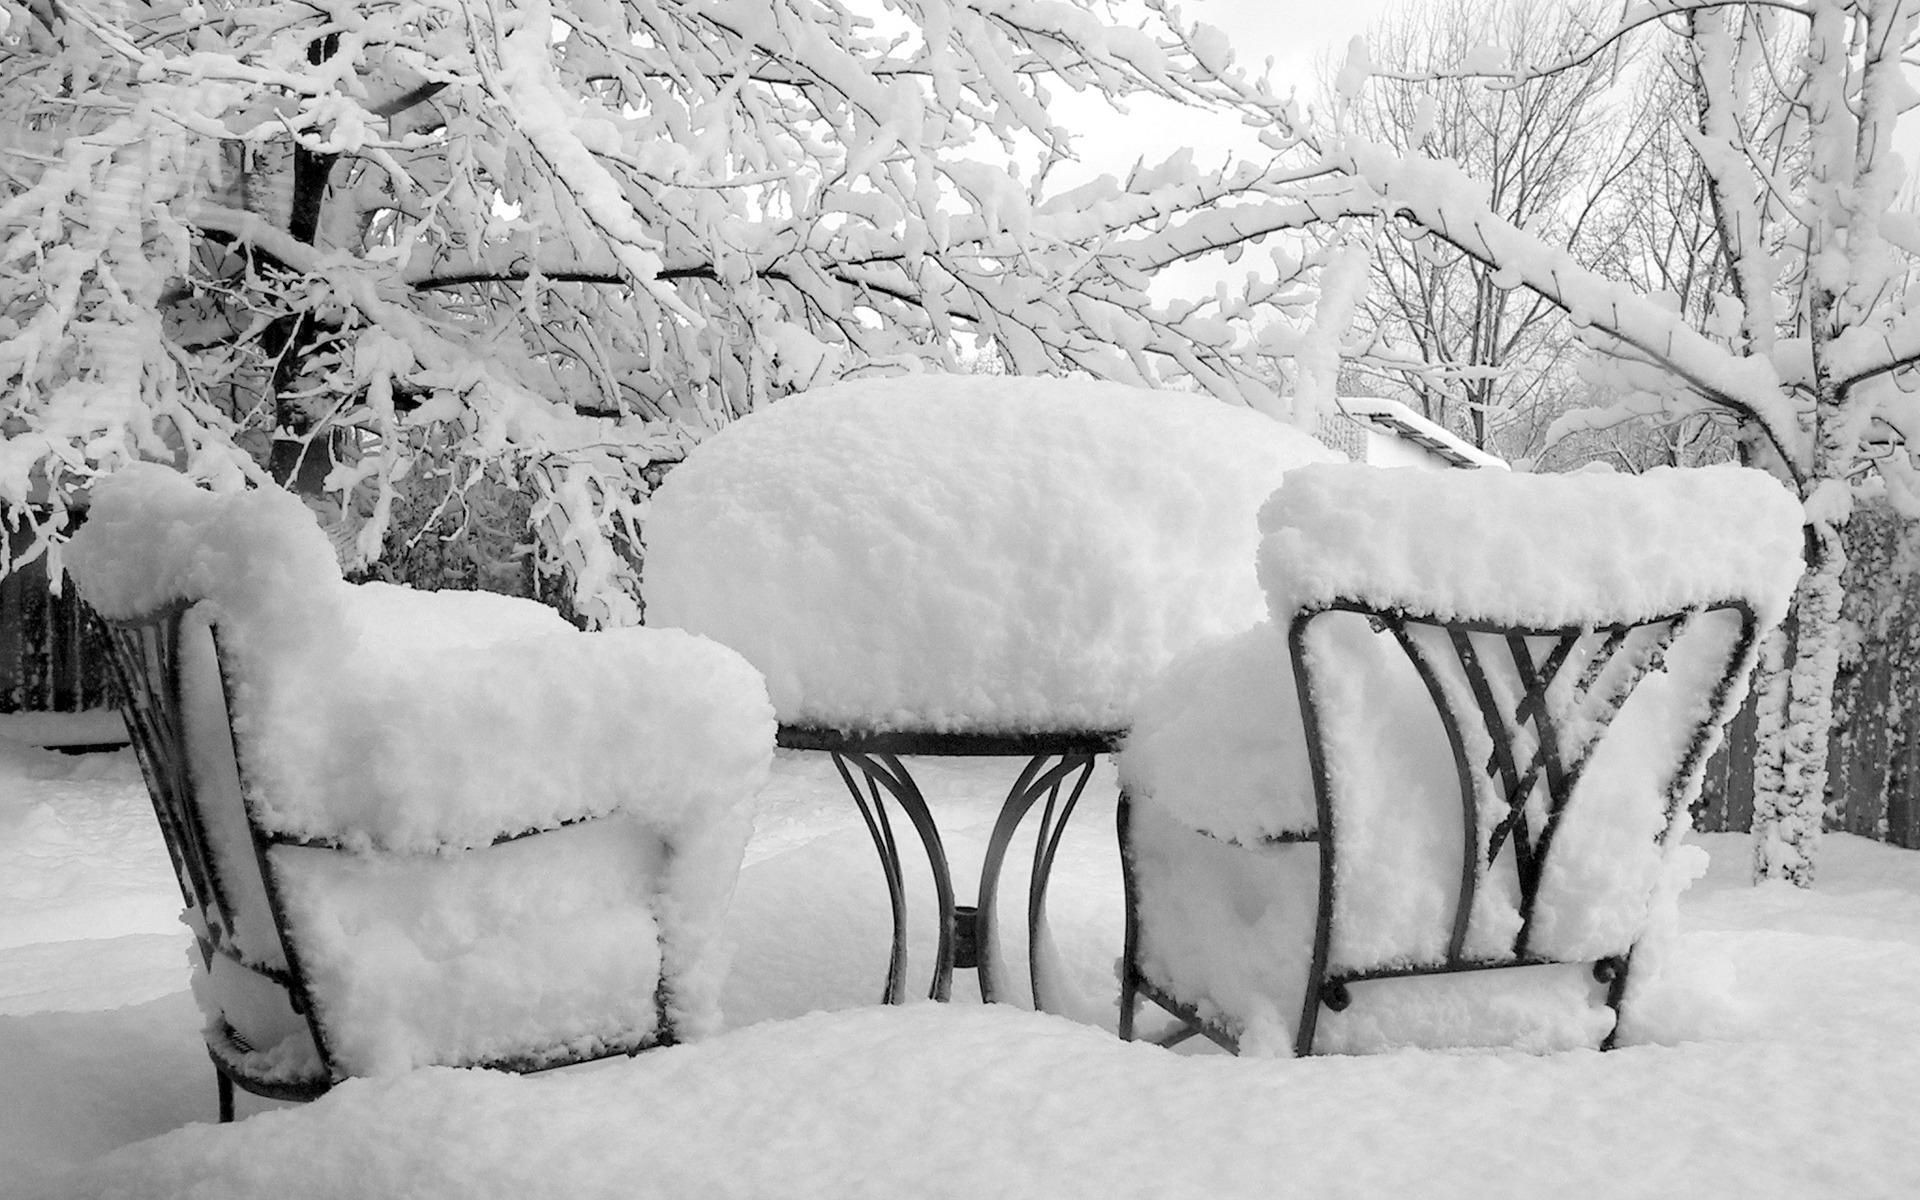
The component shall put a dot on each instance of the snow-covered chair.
(1466, 740)
(416, 828)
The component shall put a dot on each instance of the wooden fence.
(52, 649)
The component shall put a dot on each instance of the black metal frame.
(147, 658)
(966, 933)
(1554, 762)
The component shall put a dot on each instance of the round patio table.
(967, 566)
(1058, 765)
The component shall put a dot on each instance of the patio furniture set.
(1403, 754)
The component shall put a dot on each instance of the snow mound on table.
(968, 553)
(1531, 549)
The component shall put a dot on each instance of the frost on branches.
(544, 245)
(1811, 346)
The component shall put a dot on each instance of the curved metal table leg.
(967, 937)
(881, 832)
(1036, 780)
(885, 772)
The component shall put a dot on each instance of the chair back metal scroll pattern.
(1543, 699)
(149, 654)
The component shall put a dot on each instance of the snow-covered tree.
(1810, 345)
(1493, 364)
(542, 245)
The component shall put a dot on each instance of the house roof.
(1393, 417)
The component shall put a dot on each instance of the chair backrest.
(145, 653)
(176, 704)
(1500, 691)
(1498, 795)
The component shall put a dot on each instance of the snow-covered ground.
(1788, 1065)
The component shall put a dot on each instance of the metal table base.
(1057, 769)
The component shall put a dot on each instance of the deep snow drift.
(1785, 1066)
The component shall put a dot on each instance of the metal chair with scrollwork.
(1466, 821)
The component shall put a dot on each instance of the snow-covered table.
(967, 565)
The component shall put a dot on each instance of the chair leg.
(225, 1087)
(1129, 977)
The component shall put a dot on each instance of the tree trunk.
(1789, 810)
(1769, 738)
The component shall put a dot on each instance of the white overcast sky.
(1293, 32)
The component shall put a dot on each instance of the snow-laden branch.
(1436, 197)
(664, 218)
(1492, 68)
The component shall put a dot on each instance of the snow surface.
(978, 553)
(1777, 1063)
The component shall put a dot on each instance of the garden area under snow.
(1777, 1060)
(684, 219)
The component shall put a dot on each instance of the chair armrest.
(1217, 744)
(458, 747)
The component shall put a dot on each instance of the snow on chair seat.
(1466, 740)
(417, 828)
